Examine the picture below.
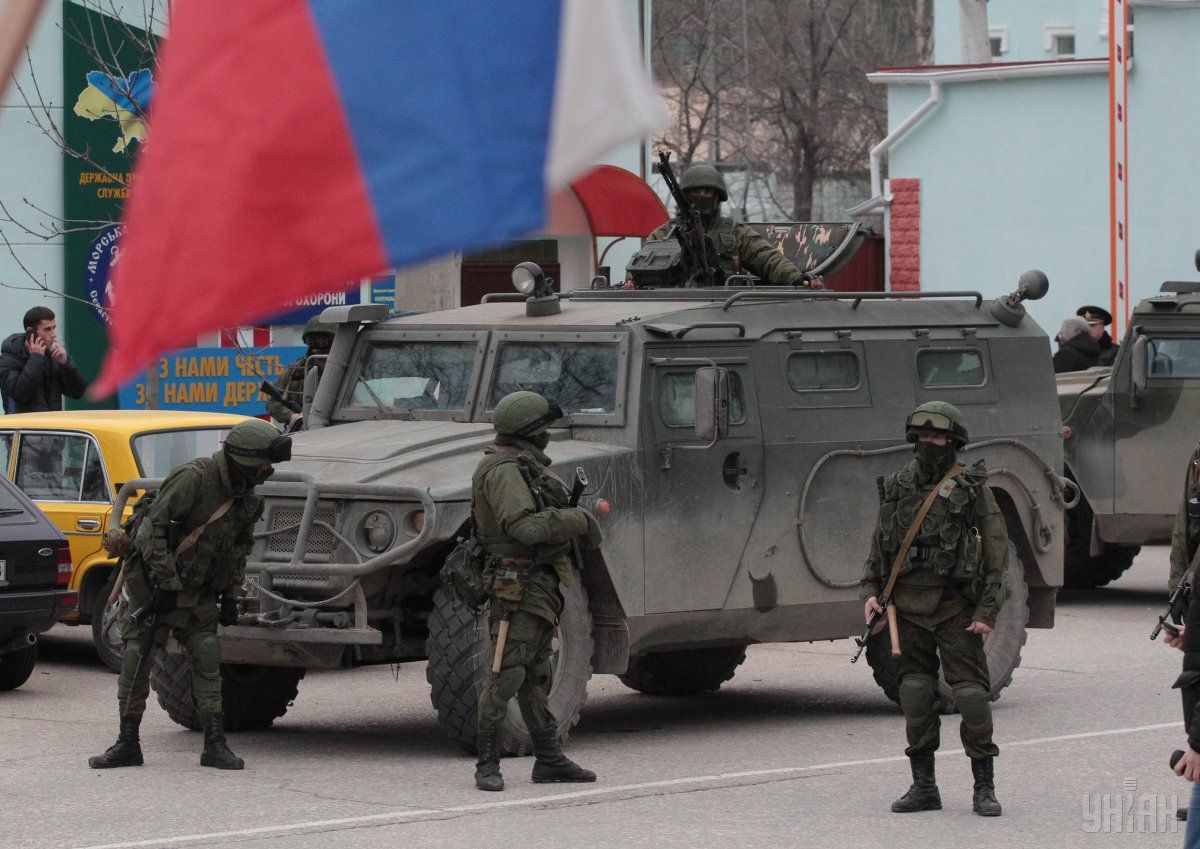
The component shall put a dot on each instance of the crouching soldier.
(950, 585)
(184, 574)
(526, 528)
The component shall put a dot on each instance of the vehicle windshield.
(158, 452)
(405, 377)
(579, 377)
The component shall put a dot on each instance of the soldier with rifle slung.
(526, 524)
(939, 553)
(285, 406)
(714, 246)
(185, 574)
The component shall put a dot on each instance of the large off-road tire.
(252, 697)
(683, 673)
(459, 660)
(16, 667)
(1081, 569)
(1002, 646)
(106, 626)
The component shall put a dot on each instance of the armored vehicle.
(1129, 429)
(736, 435)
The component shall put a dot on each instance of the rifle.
(883, 602)
(146, 646)
(1181, 595)
(691, 231)
(269, 388)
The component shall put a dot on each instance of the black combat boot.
(216, 752)
(487, 768)
(923, 795)
(984, 801)
(127, 751)
(551, 765)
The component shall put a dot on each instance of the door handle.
(732, 469)
(87, 524)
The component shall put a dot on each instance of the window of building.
(1060, 42)
(678, 400)
(822, 371)
(998, 38)
(938, 367)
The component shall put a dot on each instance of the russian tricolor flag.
(296, 146)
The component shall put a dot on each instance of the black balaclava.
(934, 460)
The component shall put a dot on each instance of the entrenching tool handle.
(501, 639)
(893, 630)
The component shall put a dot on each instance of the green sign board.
(108, 79)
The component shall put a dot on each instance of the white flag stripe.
(602, 94)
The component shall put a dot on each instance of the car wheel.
(16, 667)
(106, 626)
(252, 697)
(683, 673)
(1081, 569)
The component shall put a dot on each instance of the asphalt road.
(800, 749)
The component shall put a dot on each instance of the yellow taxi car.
(73, 463)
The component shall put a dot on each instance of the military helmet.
(705, 176)
(315, 327)
(254, 442)
(524, 414)
(937, 417)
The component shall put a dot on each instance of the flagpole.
(17, 18)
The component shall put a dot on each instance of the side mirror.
(312, 379)
(1139, 366)
(711, 385)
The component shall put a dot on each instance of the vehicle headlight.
(379, 531)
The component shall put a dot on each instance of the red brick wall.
(904, 242)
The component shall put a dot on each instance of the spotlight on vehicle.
(529, 279)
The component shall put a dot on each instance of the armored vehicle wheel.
(459, 658)
(1002, 646)
(106, 627)
(252, 697)
(1081, 569)
(683, 673)
(16, 667)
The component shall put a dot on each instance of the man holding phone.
(35, 371)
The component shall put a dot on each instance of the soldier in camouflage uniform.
(187, 565)
(739, 247)
(947, 597)
(525, 527)
(1180, 545)
(319, 339)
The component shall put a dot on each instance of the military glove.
(164, 601)
(595, 535)
(229, 611)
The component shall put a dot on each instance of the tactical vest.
(948, 542)
(547, 491)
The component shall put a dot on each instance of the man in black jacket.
(1077, 350)
(1099, 320)
(35, 371)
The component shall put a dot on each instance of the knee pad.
(974, 703)
(917, 694)
(206, 657)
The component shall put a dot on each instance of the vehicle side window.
(822, 371)
(56, 467)
(950, 367)
(6, 443)
(678, 399)
(1174, 357)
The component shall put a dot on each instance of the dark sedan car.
(35, 568)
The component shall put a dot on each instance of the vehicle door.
(63, 473)
(701, 498)
(1157, 406)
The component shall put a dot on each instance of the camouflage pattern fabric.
(741, 249)
(1179, 534)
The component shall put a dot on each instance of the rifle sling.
(906, 543)
(191, 538)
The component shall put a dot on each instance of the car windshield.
(158, 452)
(405, 377)
(579, 377)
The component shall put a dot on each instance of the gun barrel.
(268, 388)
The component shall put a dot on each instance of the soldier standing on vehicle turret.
(319, 339)
(739, 247)
(948, 595)
(525, 527)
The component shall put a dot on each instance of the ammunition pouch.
(462, 573)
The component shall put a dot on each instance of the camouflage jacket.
(959, 556)
(740, 249)
(291, 384)
(1179, 534)
(216, 563)
(517, 532)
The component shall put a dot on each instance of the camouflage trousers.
(196, 630)
(525, 672)
(965, 666)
